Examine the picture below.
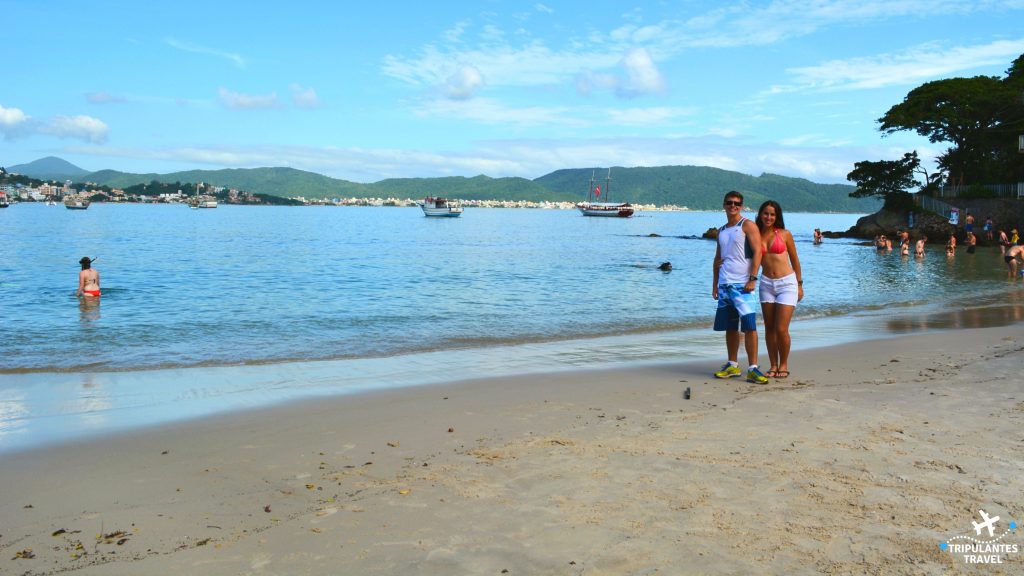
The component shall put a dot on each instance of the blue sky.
(370, 90)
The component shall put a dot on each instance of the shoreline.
(46, 409)
(868, 457)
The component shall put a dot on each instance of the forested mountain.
(49, 168)
(695, 187)
(701, 187)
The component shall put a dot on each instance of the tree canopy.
(888, 179)
(981, 117)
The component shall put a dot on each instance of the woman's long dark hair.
(780, 224)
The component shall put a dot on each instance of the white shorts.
(780, 290)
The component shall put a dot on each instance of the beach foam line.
(39, 409)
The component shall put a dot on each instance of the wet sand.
(863, 461)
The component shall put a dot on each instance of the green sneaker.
(728, 371)
(754, 376)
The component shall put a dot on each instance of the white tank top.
(736, 254)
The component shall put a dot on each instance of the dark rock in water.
(711, 234)
(653, 235)
(665, 267)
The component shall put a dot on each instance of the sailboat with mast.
(592, 207)
(197, 202)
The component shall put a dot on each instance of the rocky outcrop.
(889, 222)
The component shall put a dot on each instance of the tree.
(981, 117)
(889, 179)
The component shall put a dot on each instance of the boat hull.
(440, 207)
(442, 212)
(605, 210)
(76, 205)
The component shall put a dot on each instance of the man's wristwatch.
(753, 278)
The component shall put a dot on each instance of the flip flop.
(773, 373)
(782, 374)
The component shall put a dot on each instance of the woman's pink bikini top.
(778, 246)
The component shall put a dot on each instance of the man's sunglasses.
(732, 203)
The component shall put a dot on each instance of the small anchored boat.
(433, 206)
(76, 203)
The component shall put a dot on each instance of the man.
(1014, 259)
(737, 260)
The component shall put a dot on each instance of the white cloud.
(527, 61)
(103, 98)
(11, 118)
(912, 66)
(529, 64)
(588, 81)
(14, 123)
(79, 127)
(239, 101)
(454, 34)
(642, 76)
(463, 84)
(304, 97)
(542, 8)
(490, 111)
(655, 116)
(185, 46)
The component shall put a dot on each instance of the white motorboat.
(433, 206)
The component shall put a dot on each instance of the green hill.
(702, 188)
(475, 188)
(696, 187)
(275, 181)
(49, 168)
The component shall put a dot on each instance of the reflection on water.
(92, 405)
(88, 310)
(13, 412)
(981, 313)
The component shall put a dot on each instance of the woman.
(782, 285)
(951, 245)
(88, 279)
(1004, 242)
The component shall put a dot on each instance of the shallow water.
(226, 309)
(241, 285)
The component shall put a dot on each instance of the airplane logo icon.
(988, 523)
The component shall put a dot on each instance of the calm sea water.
(389, 295)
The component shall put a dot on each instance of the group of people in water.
(1009, 245)
(744, 249)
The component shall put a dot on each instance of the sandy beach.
(866, 459)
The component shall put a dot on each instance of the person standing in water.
(1014, 259)
(782, 285)
(88, 279)
(737, 260)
